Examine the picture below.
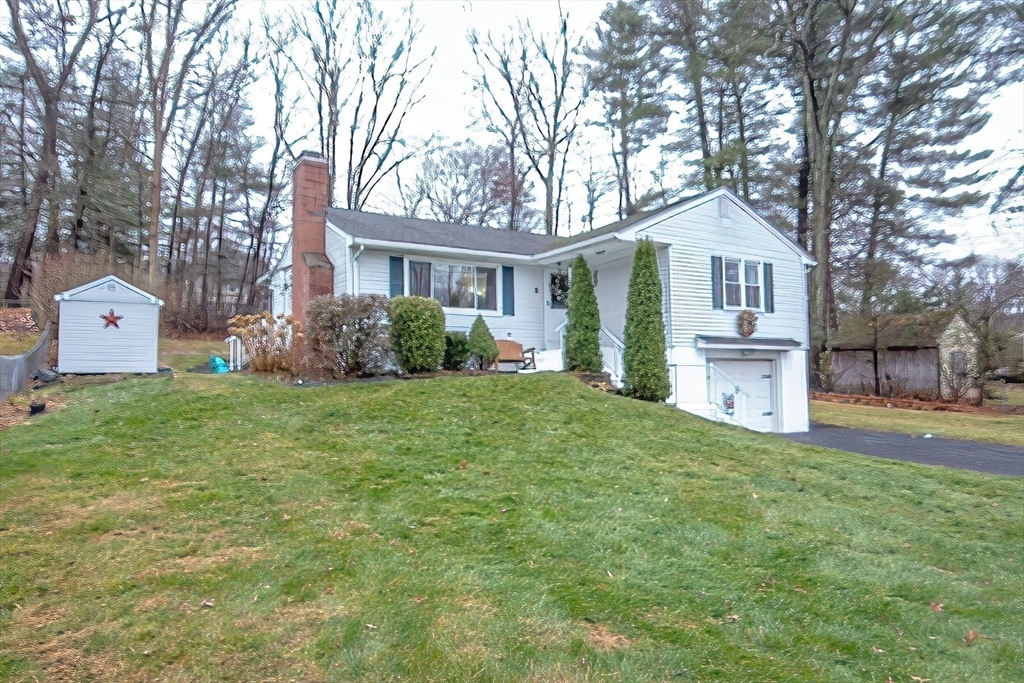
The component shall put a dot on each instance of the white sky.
(449, 107)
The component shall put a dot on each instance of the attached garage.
(750, 390)
(108, 326)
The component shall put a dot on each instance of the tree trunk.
(803, 221)
(875, 227)
(155, 192)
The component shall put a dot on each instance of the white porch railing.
(612, 350)
(727, 401)
(236, 353)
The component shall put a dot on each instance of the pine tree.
(583, 326)
(630, 73)
(481, 343)
(644, 359)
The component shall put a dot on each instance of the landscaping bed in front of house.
(502, 528)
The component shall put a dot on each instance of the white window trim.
(451, 310)
(726, 306)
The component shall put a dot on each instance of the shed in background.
(108, 326)
(926, 355)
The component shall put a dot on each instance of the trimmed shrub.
(456, 351)
(271, 343)
(417, 333)
(583, 322)
(481, 344)
(348, 335)
(644, 361)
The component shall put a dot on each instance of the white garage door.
(753, 378)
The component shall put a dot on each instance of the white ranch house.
(717, 258)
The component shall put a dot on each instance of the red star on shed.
(111, 319)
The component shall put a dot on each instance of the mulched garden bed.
(904, 403)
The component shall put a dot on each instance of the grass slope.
(1008, 429)
(336, 535)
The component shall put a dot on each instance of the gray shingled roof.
(417, 231)
(378, 226)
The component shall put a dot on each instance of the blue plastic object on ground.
(218, 365)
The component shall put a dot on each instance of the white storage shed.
(108, 326)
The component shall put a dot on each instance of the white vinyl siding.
(525, 327)
(612, 283)
(693, 237)
(697, 235)
(88, 345)
(337, 253)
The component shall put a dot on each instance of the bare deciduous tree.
(166, 34)
(533, 88)
(50, 80)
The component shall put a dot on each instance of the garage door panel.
(754, 379)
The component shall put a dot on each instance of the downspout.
(355, 270)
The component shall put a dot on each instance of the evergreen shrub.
(456, 351)
(583, 322)
(482, 347)
(644, 361)
(417, 333)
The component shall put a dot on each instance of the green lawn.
(1007, 429)
(495, 528)
(15, 345)
(182, 354)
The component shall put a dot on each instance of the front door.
(556, 289)
(755, 379)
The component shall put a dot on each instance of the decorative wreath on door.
(559, 289)
(746, 322)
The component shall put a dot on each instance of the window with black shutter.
(397, 276)
(717, 297)
(508, 291)
(769, 289)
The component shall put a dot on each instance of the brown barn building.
(926, 355)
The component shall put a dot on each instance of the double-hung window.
(733, 284)
(455, 285)
(741, 283)
(751, 280)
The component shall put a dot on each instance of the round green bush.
(456, 351)
(481, 344)
(583, 322)
(417, 333)
(644, 362)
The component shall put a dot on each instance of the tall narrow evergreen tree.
(583, 322)
(630, 72)
(645, 364)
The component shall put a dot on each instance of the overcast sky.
(449, 108)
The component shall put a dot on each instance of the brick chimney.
(312, 272)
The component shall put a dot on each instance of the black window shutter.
(769, 289)
(717, 298)
(508, 289)
(397, 276)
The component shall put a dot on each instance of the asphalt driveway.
(967, 455)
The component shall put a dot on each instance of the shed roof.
(97, 291)
(919, 330)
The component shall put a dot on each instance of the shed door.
(754, 378)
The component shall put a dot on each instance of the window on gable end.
(733, 284)
(751, 272)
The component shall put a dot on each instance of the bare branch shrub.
(348, 335)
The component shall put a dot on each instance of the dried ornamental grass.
(270, 342)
